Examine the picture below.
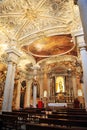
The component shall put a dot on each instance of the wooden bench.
(9, 121)
(64, 122)
(67, 116)
(70, 113)
(1, 123)
(24, 117)
(32, 114)
(75, 110)
(21, 115)
(48, 127)
(13, 119)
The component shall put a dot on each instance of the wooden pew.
(1, 123)
(75, 110)
(21, 115)
(33, 113)
(67, 116)
(64, 122)
(9, 121)
(15, 119)
(70, 113)
(48, 127)
(24, 117)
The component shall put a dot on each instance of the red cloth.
(40, 104)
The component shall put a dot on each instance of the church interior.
(42, 54)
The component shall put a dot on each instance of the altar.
(57, 105)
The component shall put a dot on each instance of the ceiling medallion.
(31, 14)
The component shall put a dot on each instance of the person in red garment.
(40, 103)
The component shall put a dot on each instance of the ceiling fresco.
(51, 46)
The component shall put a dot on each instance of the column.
(27, 94)
(83, 14)
(84, 64)
(34, 95)
(7, 88)
(41, 86)
(35, 67)
(74, 86)
(71, 89)
(9, 84)
(48, 87)
(9, 106)
(17, 100)
(45, 82)
(83, 52)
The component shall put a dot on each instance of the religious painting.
(60, 84)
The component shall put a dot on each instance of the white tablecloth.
(57, 104)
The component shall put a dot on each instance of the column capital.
(79, 39)
(13, 55)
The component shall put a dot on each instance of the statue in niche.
(15, 92)
(60, 87)
(23, 88)
(16, 80)
(35, 82)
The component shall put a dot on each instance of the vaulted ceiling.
(41, 30)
